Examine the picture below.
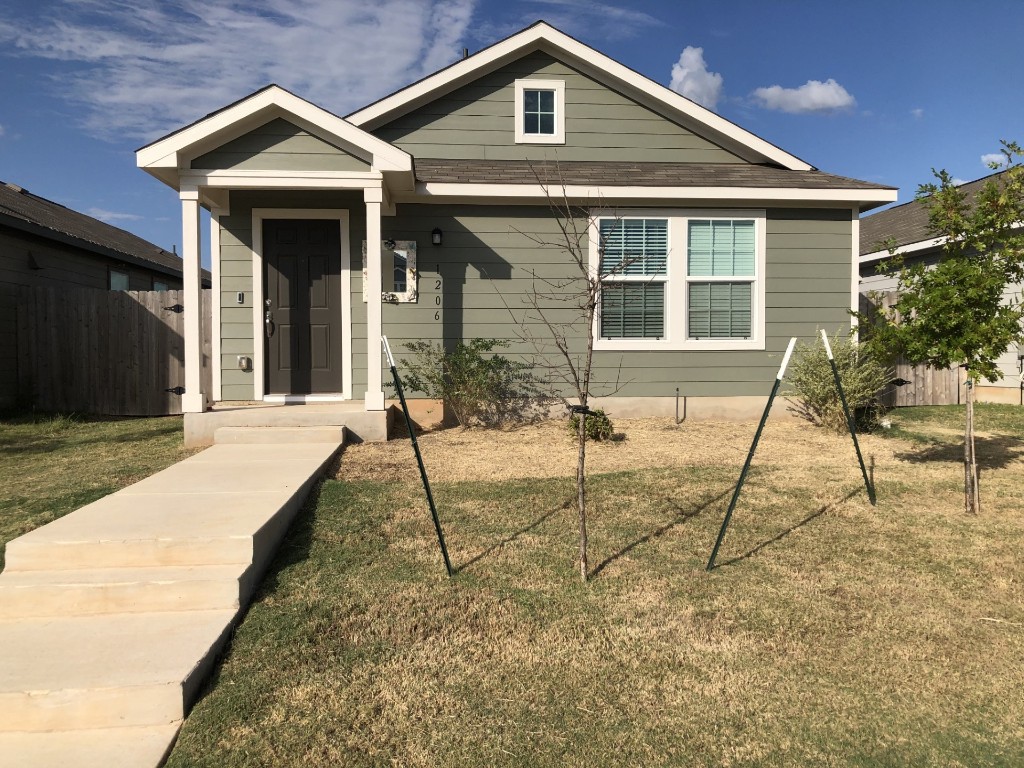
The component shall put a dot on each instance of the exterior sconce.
(436, 236)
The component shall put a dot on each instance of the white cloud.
(918, 113)
(691, 78)
(145, 67)
(111, 216)
(812, 96)
(957, 181)
(993, 157)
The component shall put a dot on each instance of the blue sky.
(881, 91)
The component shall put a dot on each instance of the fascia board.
(550, 39)
(386, 156)
(920, 245)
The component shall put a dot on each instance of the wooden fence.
(115, 353)
(922, 385)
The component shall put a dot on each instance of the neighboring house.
(907, 227)
(744, 244)
(43, 244)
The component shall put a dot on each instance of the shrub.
(598, 426)
(476, 386)
(816, 398)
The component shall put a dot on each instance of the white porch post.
(374, 398)
(194, 399)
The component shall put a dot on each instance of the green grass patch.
(53, 464)
(833, 632)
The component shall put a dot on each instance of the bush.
(816, 398)
(598, 426)
(476, 386)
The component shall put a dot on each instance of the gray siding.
(279, 146)
(477, 122)
(485, 268)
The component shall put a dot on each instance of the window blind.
(634, 246)
(633, 310)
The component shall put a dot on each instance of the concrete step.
(124, 590)
(106, 671)
(279, 435)
(228, 504)
(138, 747)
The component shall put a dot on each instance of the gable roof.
(164, 156)
(22, 210)
(542, 36)
(907, 224)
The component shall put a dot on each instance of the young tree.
(566, 348)
(955, 313)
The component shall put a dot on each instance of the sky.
(879, 90)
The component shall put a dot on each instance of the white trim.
(537, 191)
(543, 36)
(194, 399)
(282, 179)
(854, 268)
(164, 153)
(558, 87)
(676, 284)
(920, 245)
(259, 215)
(215, 331)
(374, 397)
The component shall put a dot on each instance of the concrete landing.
(111, 617)
(359, 424)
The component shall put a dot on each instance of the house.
(745, 244)
(44, 244)
(907, 227)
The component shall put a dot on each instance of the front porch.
(360, 424)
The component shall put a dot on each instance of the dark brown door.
(302, 294)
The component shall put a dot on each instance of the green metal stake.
(750, 455)
(849, 418)
(419, 457)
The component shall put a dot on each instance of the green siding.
(476, 121)
(486, 266)
(279, 146)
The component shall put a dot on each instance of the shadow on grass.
(682, 515)
(509, 539)
(783, 534)
(996, 452)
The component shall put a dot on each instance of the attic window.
(540, 111)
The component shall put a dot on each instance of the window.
(540, 112)
(159, 285)
(634, 258)
(717, 252)
(676, 279)
(117, 279)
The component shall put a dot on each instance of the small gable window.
(540, 112)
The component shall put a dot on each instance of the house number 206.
(437, 298)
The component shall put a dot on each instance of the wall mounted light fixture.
(436, 236)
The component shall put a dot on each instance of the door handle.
(268, 323)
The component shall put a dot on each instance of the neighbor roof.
(906, 224)
(23, 210)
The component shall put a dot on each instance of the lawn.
(833, 632)
(52, 465)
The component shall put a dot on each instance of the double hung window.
(680, 280)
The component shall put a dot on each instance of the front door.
(302, 279)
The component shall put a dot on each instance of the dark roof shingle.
(630, 174)
(92, 234)
(907, 223)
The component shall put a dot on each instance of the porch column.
(194, 399)
(374, 398)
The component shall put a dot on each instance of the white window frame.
(558, 137)
(677, 280)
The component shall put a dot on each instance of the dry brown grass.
(833, 633)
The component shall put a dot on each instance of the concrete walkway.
(112, 616)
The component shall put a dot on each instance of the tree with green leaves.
(955, 313)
